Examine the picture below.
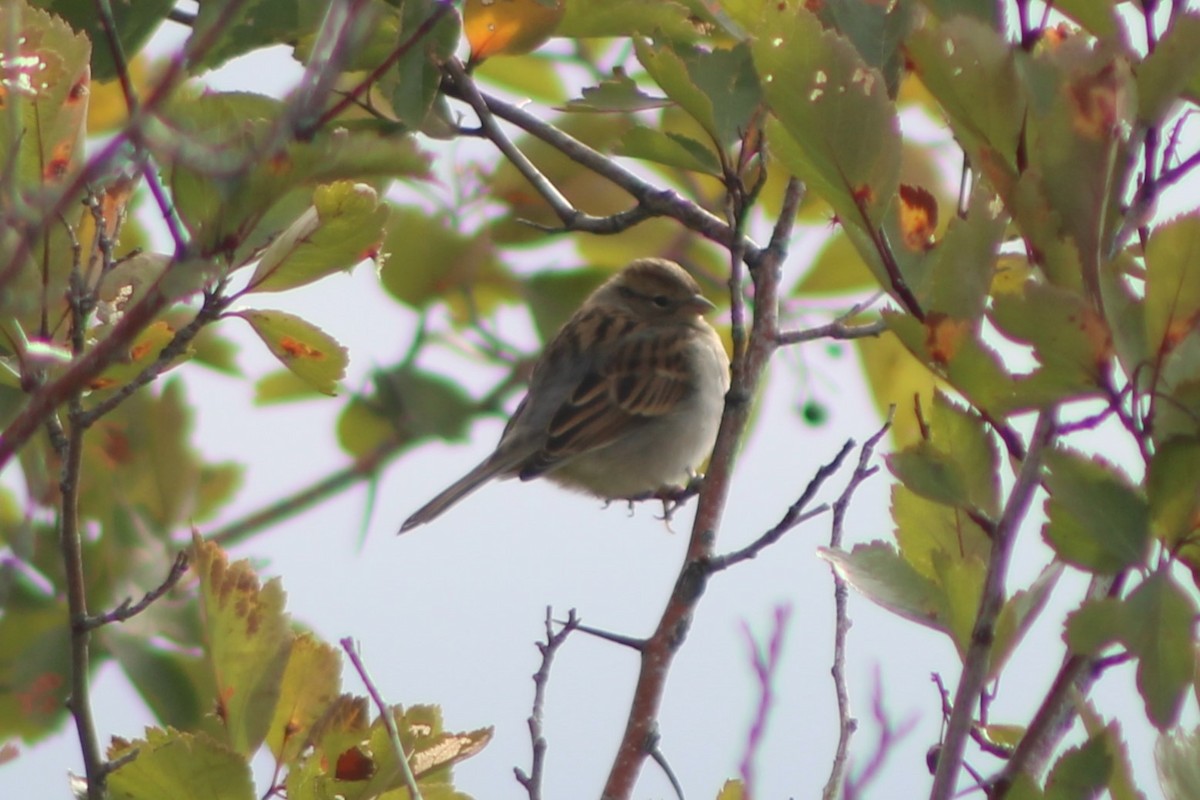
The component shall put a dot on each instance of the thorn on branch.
(128, 609)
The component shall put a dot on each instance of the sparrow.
(624, 402)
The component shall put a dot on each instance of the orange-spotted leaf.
(944, 337)
(145, 350)
(309, 687)
(302, 347)
(509, 27)
(248, 640)
(918, 217)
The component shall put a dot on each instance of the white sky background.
(449, 613)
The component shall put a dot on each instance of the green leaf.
(836, 128)
(618, 93)
(1018, 615)
(878, 573)
(1095, 625)
(251, 25)
(1069, 338)
(1177, 756)
(983, 10)
(169, 681)
(715, 87)
(957, 465)
(960, 274)
(1081, 773)
(623, 18)
(926, 530)
(182, 766)
(282, 386)
(1165, 72)
(969, 67)
(961, 582)
(878, 31)
(361, 429)
(35, 663)
(247, 643)
(412, 85)
(309, 685)
(429, 260)
(343, 226)
(302, 347)
(1172, 283)
(133, 24)
(1161, 618)
(837, 269)
(1171, 489)
(424, 404)
(670, 149)
(1097, 16)
(1096, 519)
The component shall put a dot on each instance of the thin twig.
(837, 329)
(652, 200)
(128, 608)
(1058, 710)
(889, 737)
(554, 640)
(847, 724)
(765, 666)
(975, 663)
(364, 467)
(794, 516)
(386, 714)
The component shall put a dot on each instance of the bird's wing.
(640, 377)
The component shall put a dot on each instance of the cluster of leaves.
(265, 684)
(1069, 135)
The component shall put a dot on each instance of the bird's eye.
(662, 301)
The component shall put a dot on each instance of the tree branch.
(653, 201)
(975, 663)
(533, 781)
(660, 648)
(386, 714)
(128, 609)
(847, 724)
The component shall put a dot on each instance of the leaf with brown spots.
(247, 639)
(309, 685)
(313, 355)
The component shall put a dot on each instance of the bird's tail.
(468, 483)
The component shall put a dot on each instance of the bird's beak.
(701, 304)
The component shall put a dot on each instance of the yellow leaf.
(509, 27)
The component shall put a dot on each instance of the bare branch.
(128, 609)
(653, 200)
(889, 737)
(533, 781)
(794, 516)
(764, 665)
(837, 329)
(847, 724)
(386, 714)
(974, 672)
